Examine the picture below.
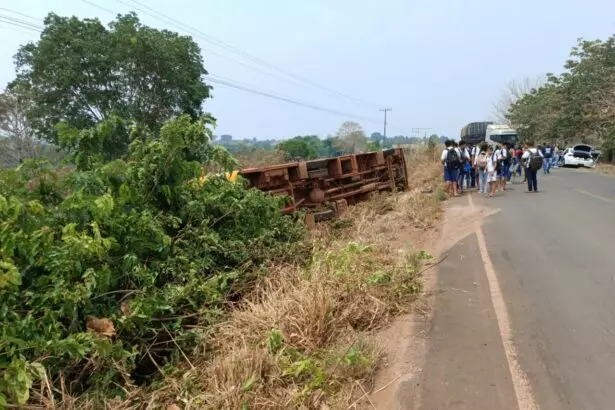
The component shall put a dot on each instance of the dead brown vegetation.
(606, 169)
(301, 338)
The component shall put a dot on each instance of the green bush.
(138, 242)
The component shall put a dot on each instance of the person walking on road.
(481, 159)
(498, 162)
(518, 154)
(492, 173)
(464, 171)
(451, 162)
(506, 163)
(534, 159)
(474, 150)
(548, 156)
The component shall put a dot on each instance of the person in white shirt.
(492, 172)
(532, 165)
(451, 162)
(473, 153)
(500, 155)
(480, 162)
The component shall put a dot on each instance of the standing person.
(518, 154)
(492, 172)
(473, 153)
(464, 173)
(533, 162)
(548, 157)
(481, 160)
(451, 162)
(506, 162)
(498, 163)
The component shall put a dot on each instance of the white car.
(579, 155)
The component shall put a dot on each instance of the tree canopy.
(577, 105)
(79, 72)
(351, 138)
(298, 148)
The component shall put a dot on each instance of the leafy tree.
(433, 141)
(373, 146)
(20, 142)
(99, 264)
(512, 93)
(577, 105)
(81, 73)
(351, 138)
(297, 149)
(17, 138)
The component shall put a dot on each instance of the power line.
(17, 30)
(91, 3)
(289, 100)
(20, 23)
(196, 34)
(19, 14)
(220, 80)
(247, 55)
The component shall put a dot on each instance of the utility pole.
(385, 119)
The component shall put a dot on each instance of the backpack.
(482, 160)
(498, 163)
(452, 159)
(506, 160)
(535, 161)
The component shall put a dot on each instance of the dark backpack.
(452, 159)
(535, 161)
(508, 159)
(498, 163)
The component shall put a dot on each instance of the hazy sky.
(438, 64)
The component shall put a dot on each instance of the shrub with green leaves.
(138, 241)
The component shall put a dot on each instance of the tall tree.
(81, 73)
(351, 138)
(577, 105)
(512, 93)
(297, 149)
(18, 139)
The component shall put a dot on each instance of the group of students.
(491, 166)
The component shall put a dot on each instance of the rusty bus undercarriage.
(325, 187)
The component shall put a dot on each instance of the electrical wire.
(20, 23)
(12, 28)
(245, 88)
(216, 79)
(20, 14)
(245, 54)
(196, 33)
(99, 7)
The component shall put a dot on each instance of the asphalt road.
(552, 256)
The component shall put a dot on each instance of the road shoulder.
(466, 365)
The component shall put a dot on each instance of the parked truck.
(474, 132)
(494, 134)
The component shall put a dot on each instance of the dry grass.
(301, 340)
(606, 169)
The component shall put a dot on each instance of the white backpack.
(482, 160)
